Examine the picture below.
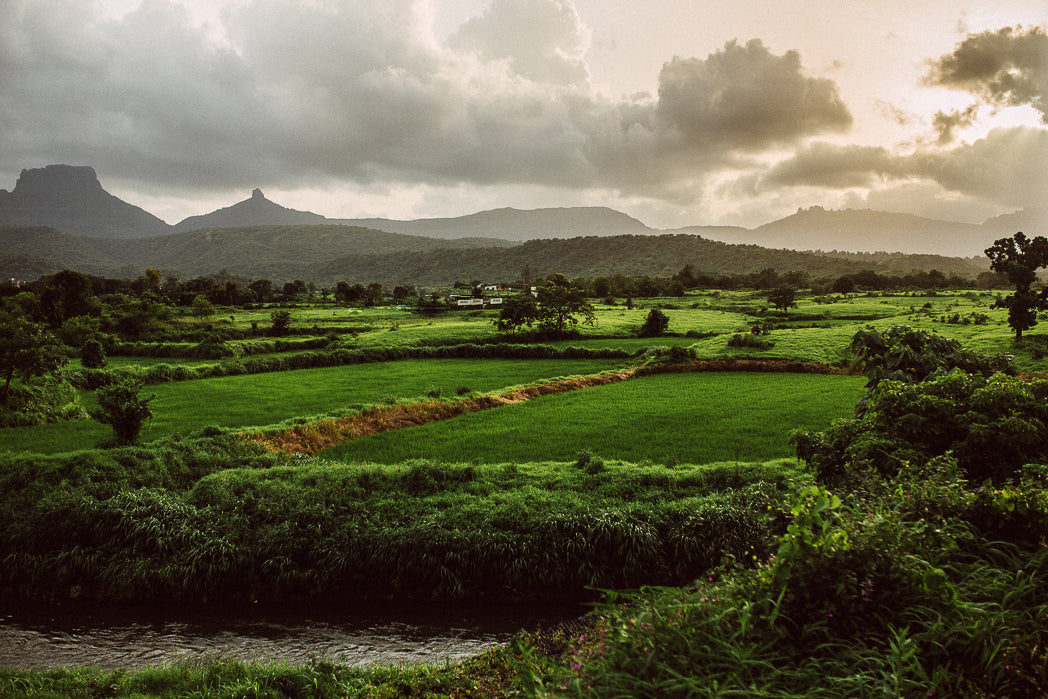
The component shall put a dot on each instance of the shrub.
(749, 341)
(121, 407)
(93, 355)
(655, 324)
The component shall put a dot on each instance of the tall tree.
(561, 304)
(122, 408)
(27, 349)
(783, 297)
(1019, 258)
(516, 312)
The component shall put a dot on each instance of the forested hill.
(629, 255)
(327, 254)
(274, 252)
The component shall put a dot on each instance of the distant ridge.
(256, 211)
(71, 199)
(517, 224)
(865, 230)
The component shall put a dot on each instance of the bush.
(93, 355)
(749, 341)
(121, 407)
(992, 426)
(655, 324)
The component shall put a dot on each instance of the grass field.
(669, 418)
(263, 399)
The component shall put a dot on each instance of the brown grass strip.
(312, 438)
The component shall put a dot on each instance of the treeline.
(690, 279)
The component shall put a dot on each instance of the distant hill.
(1030, 221)
(276, 252)
(653, 255)
(72, 200)
(864, 231)
(517, 224)
(256, 211)
(327, 254)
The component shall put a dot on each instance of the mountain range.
(60, 217)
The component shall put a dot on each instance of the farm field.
(262, 399)
(666, 419)
(661, 479)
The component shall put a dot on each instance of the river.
(375, 633)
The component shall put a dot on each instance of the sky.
(677, 112)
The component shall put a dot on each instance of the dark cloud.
(1007, 166)
(945, 122)
(745, 97)
(1008, 67)
(293, 94)
(838, 167)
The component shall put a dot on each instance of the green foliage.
(655, 324)
(121, 528)
(121, 407)
(902, 353)
(749, 340)
(201, 307)
(561, 303)
(27, 349)
(1019, 258)
(992, 425)
(517, 311)
(281, 322)
(46, 399)
(783, 297)
(93, 355)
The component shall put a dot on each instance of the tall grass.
(110, 528)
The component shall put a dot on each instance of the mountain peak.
(254, 211)
(71, 199)
(66, 180)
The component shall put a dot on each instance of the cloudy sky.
(677, 112)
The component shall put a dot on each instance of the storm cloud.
(293, 93)
(1007, 67)
(370, 97)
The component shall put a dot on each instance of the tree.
(655, 324)
(201, 307)
(783, 297)
(27, 349)
(560, 303)
(844, 285)
(122, 408)
(292, 290)
(93, 355)
(517, 312)
(374, 294)
(67, 294)
(281, 322)
(263, 290)
(1019, 258)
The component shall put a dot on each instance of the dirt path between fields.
(312, 438)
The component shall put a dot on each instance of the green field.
(263, 399)
(668, 418)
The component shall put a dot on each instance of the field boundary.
(329, 432)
